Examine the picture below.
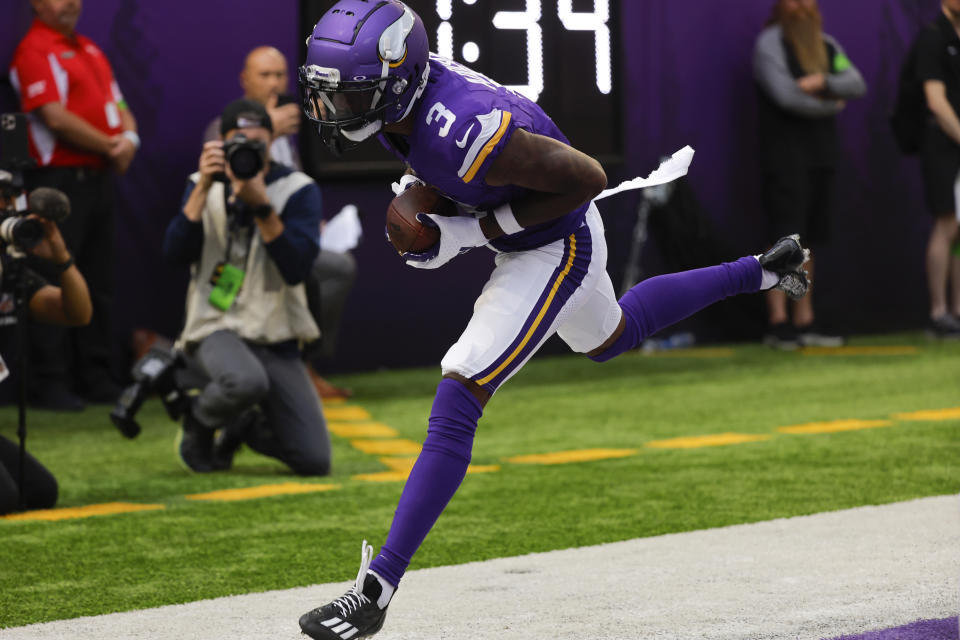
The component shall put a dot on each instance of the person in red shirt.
(80, 128)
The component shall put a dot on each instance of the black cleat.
(356, 614)
(785, 258)
(785, 255)
(794, 283)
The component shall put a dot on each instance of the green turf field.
(187, 550)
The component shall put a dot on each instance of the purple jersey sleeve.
(463, 123)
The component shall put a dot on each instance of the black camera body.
(246, 157)
(154, 372)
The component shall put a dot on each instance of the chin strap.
(366, 131)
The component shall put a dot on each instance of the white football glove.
(407, 180)
(458, 234)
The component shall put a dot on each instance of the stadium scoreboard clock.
(564, 54)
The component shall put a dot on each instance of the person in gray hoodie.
(804, 80)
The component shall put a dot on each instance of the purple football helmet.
(367, 63)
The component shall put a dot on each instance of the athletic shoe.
(195, 445)
(231, 437)
(785, 258)
(356, 614)
(782, 336)
(811, 336)
(785, 255)
(795, 284)
(945, 327)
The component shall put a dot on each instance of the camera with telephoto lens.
(19, 230)
(157, 371)
(15, 227)
(245, 156)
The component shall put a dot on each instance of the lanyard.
(235, 223)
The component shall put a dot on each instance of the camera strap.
(227, 278)
(237, 221)
(232, 230)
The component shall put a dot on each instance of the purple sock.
(435, 477)
(663, 300)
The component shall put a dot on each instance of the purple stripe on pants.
(568, 286)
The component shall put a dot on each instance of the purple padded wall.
(687, 81)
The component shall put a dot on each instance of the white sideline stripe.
(809, 577)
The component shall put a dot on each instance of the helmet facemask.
(354, 108)
(357, 108)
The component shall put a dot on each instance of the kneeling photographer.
(249, 231)
(25, 295)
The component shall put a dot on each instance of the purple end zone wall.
(690, 82)
(686, 80)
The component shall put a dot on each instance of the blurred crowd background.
(684, 75)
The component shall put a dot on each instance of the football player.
(525, 193)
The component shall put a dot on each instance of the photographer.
(250, 240)
(68, 304)
(264, 79)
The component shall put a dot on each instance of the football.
(405, 232)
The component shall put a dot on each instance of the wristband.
(60, 269)
(506, 219)
(132, 137)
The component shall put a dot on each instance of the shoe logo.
(344, 629)
(462, 142)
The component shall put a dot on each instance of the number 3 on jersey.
(439, 112)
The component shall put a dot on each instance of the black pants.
(242, 375)
(79, 354)
(799, 201)
(41, 486)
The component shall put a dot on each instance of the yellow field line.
(399, 467)
(343, 414)
(834, 426)
(564, 457)
(106, 509)
(712, 440)
(932, 415)
(262, 491)
(361, 429)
